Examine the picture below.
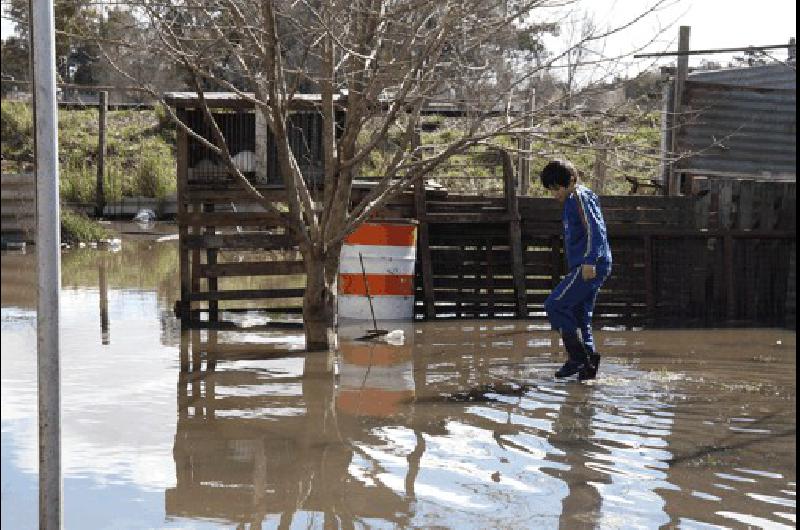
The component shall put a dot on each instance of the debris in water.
(479, 394)
(145, 216)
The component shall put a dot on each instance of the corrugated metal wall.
(737, 130)
(769, 76)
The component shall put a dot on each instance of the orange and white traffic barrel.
(389, 252)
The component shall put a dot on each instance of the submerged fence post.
(48, 242)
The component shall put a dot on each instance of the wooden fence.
(720, 256)
(18, 206)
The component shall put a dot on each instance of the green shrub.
(16, 130)
(76, 227)
(140, 151)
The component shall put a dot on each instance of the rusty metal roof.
(779, 75)
(738, 130)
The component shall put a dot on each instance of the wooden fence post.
(211, 259)
(730, 284)
(681, 73)
(423, 238)
(600, 164)
(100, 195)
(514, 236)
(525, 144)
(556, 262)
(182, 159)
(701, 192)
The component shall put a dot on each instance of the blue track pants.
(571, 304)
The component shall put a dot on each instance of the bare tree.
(580, 31)
(381, 60)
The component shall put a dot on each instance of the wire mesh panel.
(238, 129)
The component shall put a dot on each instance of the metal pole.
(48, 243)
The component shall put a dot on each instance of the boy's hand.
(588, 272)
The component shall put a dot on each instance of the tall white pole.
(48, 246)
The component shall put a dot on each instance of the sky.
(714, 23)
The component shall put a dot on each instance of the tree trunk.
(319, 301)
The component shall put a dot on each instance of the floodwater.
(453, 425)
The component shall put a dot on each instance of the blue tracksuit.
(570, 305)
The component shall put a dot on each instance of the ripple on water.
(759, 522)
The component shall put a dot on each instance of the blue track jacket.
(585, 237)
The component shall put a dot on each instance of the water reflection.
(571, 436)
(374, 436)
(260, 439)
(103, 281)
(460, 425)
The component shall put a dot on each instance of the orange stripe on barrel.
(373, 401)
(375, 354)
(384, 234)
(379, 284)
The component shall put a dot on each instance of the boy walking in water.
(569, 307)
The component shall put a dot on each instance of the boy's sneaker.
(590, 370)
(571, 367)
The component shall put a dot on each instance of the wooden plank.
(289, 310)
(725, 204)
(23, 180)
(627, 202)
(100, 197)
(514, 235)
(489, 284)
(26, 194)
(463, 218)
(537, 284)
(556, 262)
(19, 209)
(182, 159)
(243, 294)
(449, 258)
(424, 251)
(258, 241)
(195, 260)
(226, 194)
(211, 260)
(768, 212)
(264, 268)
(666, 217)
(230, 218)
(744, 219)
(477, 298)
(462, 284)
(648, 275)
(790, 207)
(542, 269)
(460, 203)
(701, 194)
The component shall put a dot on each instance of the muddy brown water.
(453, 425)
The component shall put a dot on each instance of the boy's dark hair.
(558, 173)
